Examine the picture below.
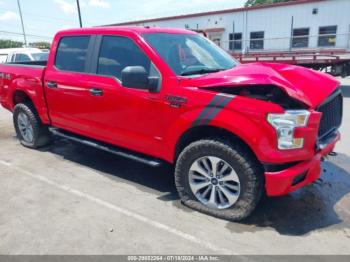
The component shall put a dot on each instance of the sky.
(43, 18)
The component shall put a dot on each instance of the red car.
(157, 95)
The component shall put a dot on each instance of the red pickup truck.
(155, 95)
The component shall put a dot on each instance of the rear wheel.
(29, 128)
(219, 178)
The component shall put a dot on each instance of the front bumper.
(285, 181)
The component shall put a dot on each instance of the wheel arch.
(20, 96)
(208, 131)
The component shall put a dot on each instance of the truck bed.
(28, 74)
(29, 63)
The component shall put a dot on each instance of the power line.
(40, 18)
(38, 15)
(35, 16)
(21, 34)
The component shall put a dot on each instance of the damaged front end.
(268, 93)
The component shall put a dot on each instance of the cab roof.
(130, 29)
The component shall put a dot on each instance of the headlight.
(285, 125)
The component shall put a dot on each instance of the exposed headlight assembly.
(285, 125)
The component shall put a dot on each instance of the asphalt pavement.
(72, 199)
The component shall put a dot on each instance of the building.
(295, 25)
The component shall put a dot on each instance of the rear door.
(67, 89)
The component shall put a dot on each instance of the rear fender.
(32, 88)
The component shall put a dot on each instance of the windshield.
(190, 54)
(40, 56)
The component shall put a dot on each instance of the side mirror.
(137, 77)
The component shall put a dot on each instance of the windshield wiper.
(202, 71)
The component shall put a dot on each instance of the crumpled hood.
(306, 85)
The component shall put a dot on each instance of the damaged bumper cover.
(304, 173)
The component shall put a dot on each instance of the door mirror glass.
(138, 77)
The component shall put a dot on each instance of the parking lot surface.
(71, 199)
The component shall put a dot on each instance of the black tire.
(247, 168)
(41, 134)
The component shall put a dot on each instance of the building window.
(300, 37)
(327, 36)
(257, 40)
(235, 41)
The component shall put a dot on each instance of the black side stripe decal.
(212, 109)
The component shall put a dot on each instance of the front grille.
(332, 114)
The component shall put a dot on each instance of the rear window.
(22, 58)
(3, 59)
(71, 53)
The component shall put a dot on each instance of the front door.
(128, 117)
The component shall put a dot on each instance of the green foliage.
(17, 44)
(41, 45)
(261, 2)
(10, 44)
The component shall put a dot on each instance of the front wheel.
(219, 178)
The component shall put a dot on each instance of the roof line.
(233, 10)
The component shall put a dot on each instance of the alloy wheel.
(214, 182)
(25, 128)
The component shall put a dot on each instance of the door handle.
(96, 92)
(51, 84)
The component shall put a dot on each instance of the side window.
(3, 58)
(12, 58)
(22, 58)
(116, 53)
(71, 53)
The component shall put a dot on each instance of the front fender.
(256, 137)
(246, 119)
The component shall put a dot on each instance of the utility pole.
(20, 14)
(291, 34)
(78, 6)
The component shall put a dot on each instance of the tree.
(16, 44)
(41, 45)
(10, 44)
(261, 2)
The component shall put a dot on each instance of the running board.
(105, 147)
